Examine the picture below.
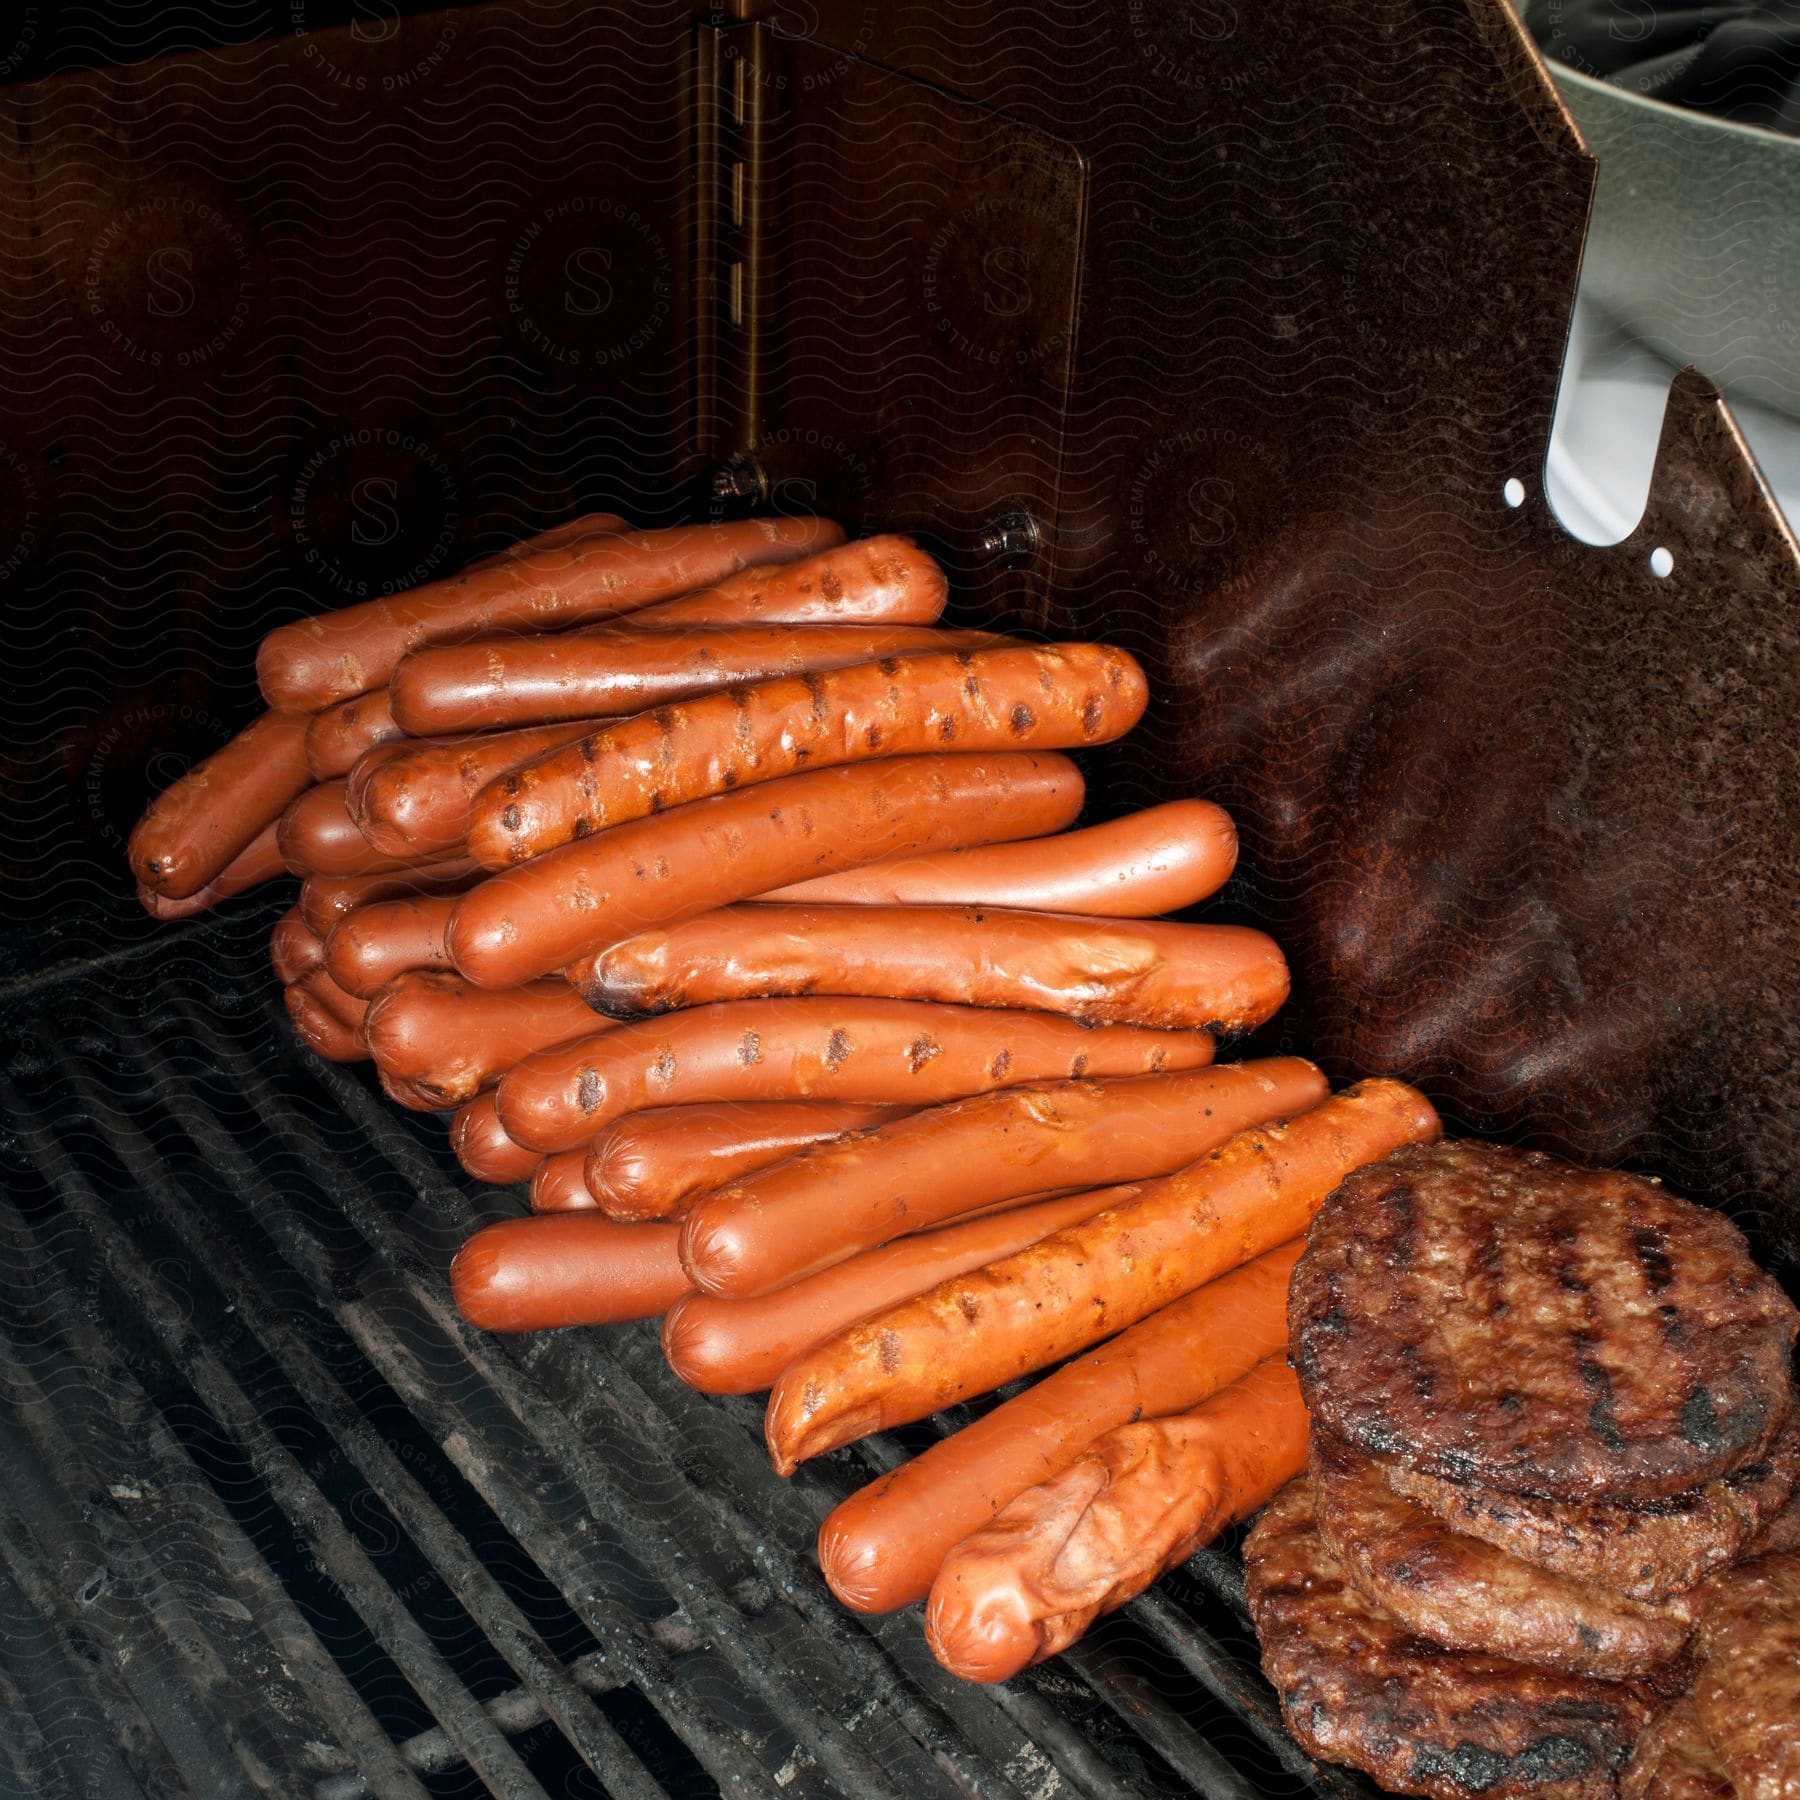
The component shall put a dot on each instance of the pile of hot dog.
(720, 893)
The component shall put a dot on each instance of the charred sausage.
(740, 1346)
(450, 1040)
(481, 1145)
(371, 945)
(295, 949)
(826, 1203)
(1026, 697)
(606, 672)
(318, 836)
(898, 1052)
(416, 803)
(1136, 1504)
(340, 734)
(978, 1331)
(259, 861)
(652, 1165)
(529, 921)
(878, 579)
(193, 829)
(1225, 978)
(327, 899)
(316, 662)
(883, 1547)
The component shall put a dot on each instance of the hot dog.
(371, 945)
(874, 579)
(978, 1331)
(1157, 861)
(741, 1346)
(193, 829)
(317, 662)
(898, 1052)
(565, 1269)
(611, 670)
(417, 803)
(325, 900)
(449, 1039)
(319, 837)
(340, 734)
(1136, 1504)
(1114, 971)
(559, 1184)
(349, 1011)
(651, 1165)
(828, 1202)
(319, 1029)
(295, 949)
(883, 1547)
(259, 861)
(1022, 698)
(481, 1145)
(530, 921)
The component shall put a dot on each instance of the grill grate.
(274, 1520)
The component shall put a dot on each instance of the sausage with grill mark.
(897, 1052)
(1024, 697)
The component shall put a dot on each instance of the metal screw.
(740, 478)
(1010, 537)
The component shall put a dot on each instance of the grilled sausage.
(320, 1030)
(529, 921)
(259, 861)
(449, 1039)
(325, 900)
(652, 1165)
(316, 662)
(1108, 971)
(883, 1547)
(559, 1183)
(874, 580)
(336, 737)
(1157, 861)
(740, 1346)
(1136, 1504)
(371, 945)
(1026, 697)
(319, 837)
(565, 1269)
(481, 1145)
(295, 949)
(826, 1203)
(403, 1093)
(417, 803)
(898, 1052)
(611, 670)
(979, 1331)
(193, 829)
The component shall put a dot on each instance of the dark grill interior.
(277, 1521)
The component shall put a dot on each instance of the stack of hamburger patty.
(1553, 1419)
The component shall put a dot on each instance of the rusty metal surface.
(1519, 808)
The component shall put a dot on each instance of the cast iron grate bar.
(456, 1564)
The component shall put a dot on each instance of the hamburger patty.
(1468, 1595)
(1501, 1319)
(1646, 1552)
(1357, 1687)
(1747, 1694)
(1675, 1760)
